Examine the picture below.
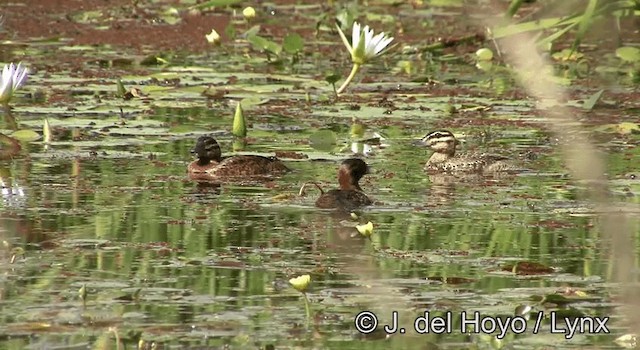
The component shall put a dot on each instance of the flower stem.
(354, 70)
(307, 308)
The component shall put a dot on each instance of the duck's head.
(441, 141)
(207, 149)
(350, 172)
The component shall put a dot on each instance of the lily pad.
(26, 135)
(323, 140)
(628, 53)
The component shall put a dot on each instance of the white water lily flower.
(12, 78)
(364, 45)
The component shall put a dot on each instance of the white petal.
(355, 35)
(6, 87)
(20, 76)
(5, 71)
(383, 44)
(374, 43)
(368, 36)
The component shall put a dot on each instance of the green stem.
(354, 70)
(307, 308)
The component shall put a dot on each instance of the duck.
(350, 195)
(446, 160)
(210, 162)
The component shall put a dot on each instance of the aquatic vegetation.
(364, 47)
(365, 229)
(249, 13)
(213, 38)
(13, 77)
(109, 211)
(239, 122)
(579, 18)
(300, 283)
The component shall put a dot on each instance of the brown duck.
(349, 195)
(445, 159)
(211, 163)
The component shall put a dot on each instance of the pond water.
(104, 234)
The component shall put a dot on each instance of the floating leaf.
(627, 128)
(323, 140)
(592, 100)
(27, 135)
(292, 43)
(628, 53)
(216, 3)
(263, 44)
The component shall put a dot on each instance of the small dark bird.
(349, 196)
(211, 163)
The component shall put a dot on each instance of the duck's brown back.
(248, 165)
(343, 199)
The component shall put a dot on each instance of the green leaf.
(25, 135)
(292, 43)
(333, 78)
(484, 54)
(585, 23)
(592, 100)
(323, 140)
(262, 44)
(230, 31)
(513, 8)
(120, 89)
(214, 3)
(628, 53)
(252, 31)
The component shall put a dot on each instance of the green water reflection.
(212, 262)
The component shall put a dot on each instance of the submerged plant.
(301, 283)
(364, 47)
(13, 77)
(213, 38)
